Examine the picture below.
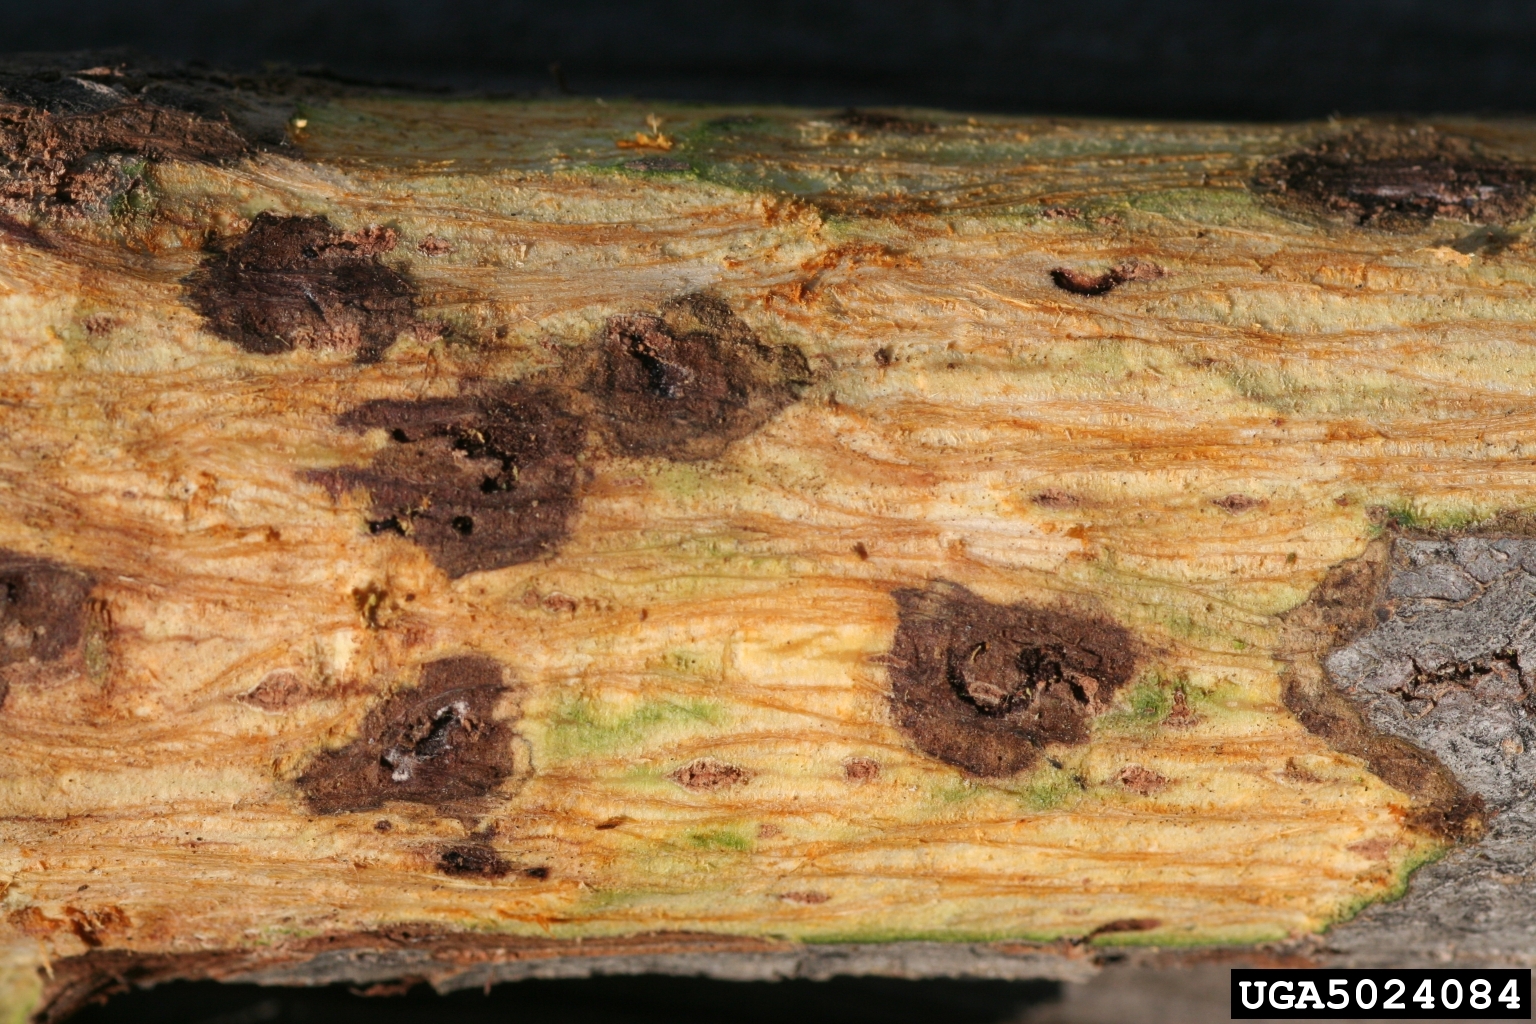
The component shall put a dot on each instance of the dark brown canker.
(686, 381)
(985, 686)
(488, 479)
(299, 282)
(481, 481)
(44, 617)
(437, 744)
(1387, 176)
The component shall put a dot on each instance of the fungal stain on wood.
(1386, 176)
(481, 481)
(440, 743)
(686, 381)
(301, 283)
(986, 687)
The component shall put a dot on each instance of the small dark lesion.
(708, 773)
(1055, 498)
(884, 121)
(1237, 504)
(1392, 176)
(1124, 925)
(46, 618)
(1080, 283)
(987, 686)
(440, 743)
(472, 860)
(42, 608)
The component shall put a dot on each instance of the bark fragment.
(1450, 665)
(51, 162)
(1345, 608)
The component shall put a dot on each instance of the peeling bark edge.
(451, 962)
(1342, 607)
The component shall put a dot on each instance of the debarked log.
(463, 540)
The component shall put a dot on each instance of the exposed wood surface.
(533, 520)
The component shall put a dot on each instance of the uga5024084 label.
(1417, 994)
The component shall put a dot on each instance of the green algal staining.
(582, 726)
(954, 791)
(1150, 700)
(1159, 700)
(1408, 514)
(719, 839)
(1049, 788)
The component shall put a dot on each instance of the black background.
(1139, 58)
(1248, 59)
